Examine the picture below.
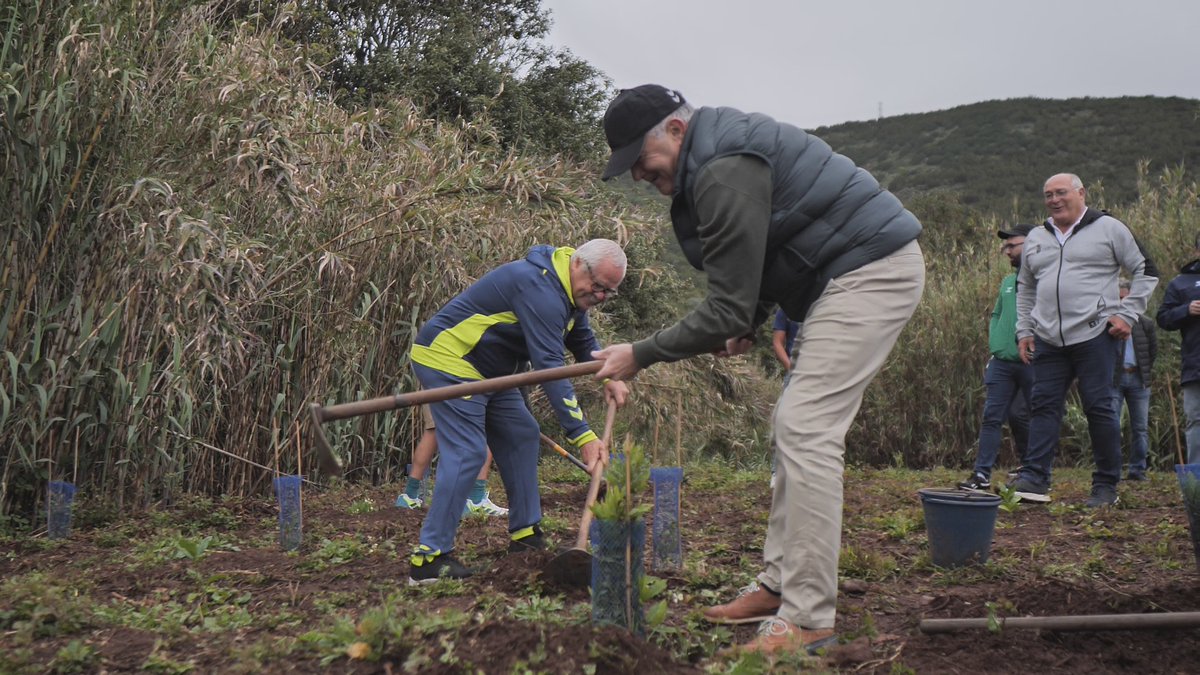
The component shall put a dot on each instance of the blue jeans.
(1191, 410)
(1136, 396)
(1054, 368)
(1003, 380)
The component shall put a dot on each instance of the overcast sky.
(822, 63)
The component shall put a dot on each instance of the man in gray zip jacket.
(1070, 321)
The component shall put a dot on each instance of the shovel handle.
(341, 411)
(585, 522)
(562, 451)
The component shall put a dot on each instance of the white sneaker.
(486, 507)
(406, 502)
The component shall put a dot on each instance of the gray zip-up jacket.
(1066, 293)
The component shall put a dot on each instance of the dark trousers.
(1091, 363)
(1007, 382)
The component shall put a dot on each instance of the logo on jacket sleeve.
(573, 407)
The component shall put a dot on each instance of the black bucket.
(960, 524)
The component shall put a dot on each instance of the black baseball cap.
(630, 115)
(1015, 231)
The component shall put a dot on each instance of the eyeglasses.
(597, 287)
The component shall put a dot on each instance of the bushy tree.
(461, 59)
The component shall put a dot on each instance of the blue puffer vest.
(828, 216)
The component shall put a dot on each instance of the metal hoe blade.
(326, 459)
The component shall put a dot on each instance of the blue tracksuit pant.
(465, 429)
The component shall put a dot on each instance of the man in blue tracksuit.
(530, 310)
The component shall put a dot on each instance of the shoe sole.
(811, 649)
(1033, 497)
(983, 489)
(749, 619)
(426, 582)
(485, 512)
(824, 643)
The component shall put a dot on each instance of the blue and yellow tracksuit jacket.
(522, 311)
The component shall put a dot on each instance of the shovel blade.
(570, 569)
(326, 459)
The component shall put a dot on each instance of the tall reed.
(199, 244)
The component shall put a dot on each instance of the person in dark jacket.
(1131, 386)
(531, 310)
(774, 217)
(1180, 310)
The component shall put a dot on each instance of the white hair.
(595, 251)
(683, 113)
(1075, 182)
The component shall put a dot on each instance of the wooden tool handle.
(585, 523)
(343, 411)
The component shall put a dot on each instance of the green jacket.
(1002, 331)
(771, 214)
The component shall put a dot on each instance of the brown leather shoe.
(778, 635)
(753, 603)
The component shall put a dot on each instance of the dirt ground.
(117, 596)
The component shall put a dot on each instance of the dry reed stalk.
(1175, 423)
(654, 442)
(679, 429)
(628, 535)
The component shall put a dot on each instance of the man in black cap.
(1006, 375)
(774, 217)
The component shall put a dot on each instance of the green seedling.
(1009, 501)
(192, 549)
(994, 624)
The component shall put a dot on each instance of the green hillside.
(995, 152)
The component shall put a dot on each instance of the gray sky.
(821, 63)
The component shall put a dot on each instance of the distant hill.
(995, 152)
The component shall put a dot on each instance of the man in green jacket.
(1006, 375)
(774, 217)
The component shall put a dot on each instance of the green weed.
(192, 549)
(866, 565)
(1009, 501)
(331, 553)
(899, 524)
(160, 663)
(38, 606)
(390, 627)
(537, 609)
(75, 657)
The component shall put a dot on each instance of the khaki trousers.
(843, 344)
